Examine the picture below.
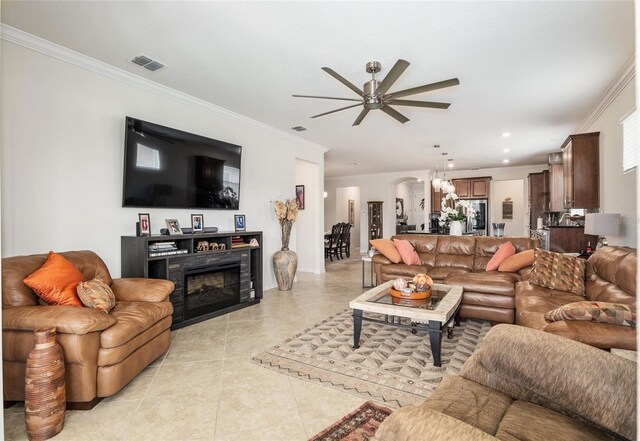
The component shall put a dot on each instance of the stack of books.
(164, 249)
(238, 242)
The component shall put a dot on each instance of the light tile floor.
(206, 387)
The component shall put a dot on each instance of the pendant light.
(444, 185)
(436, 181)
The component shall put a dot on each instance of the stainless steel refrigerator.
(479, 224)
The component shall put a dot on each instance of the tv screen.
(165, 167)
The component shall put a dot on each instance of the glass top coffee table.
(433, 314)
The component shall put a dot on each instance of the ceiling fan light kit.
(374, 96)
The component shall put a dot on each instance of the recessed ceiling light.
(419, 180)
(436, 146)
(506, 161)
(506, 150)
(506, 134)
(355, 163)
(299, 128)
(444, 154)
(451, 165)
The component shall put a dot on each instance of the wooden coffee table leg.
(357, 327)
(435, 338)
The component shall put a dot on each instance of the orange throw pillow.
(407, 252)
(506, 250)
(387, 248)
(56, 281)
(517, 261)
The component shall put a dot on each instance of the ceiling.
(534, 69)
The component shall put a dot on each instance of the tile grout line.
(304, 427)
(224, 352)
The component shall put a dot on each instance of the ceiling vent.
(554, 158)
(148, 63)
(299, 128)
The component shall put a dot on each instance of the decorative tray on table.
(410, 294)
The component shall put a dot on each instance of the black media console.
(210, 280)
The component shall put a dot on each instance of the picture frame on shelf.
(144, 224)
(197, 223)
(173, 226)
(300, 196)
(239, 222)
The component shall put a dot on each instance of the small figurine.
(222, 246)
(203, 245)
(254, 242)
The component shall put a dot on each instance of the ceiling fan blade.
(425, 88)
(430, 104)
(337, 110)
(338, 77)
(394, 113)
(326, 97)
(392, 76)
(360, 117)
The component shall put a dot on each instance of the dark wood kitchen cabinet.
(538, 196)
(570, 239)
(581, 171)
(556, 188)
(436, 200)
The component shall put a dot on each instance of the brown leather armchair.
(103, 352)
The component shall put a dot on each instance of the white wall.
(617, 189)
(63, 143)
(342, 197)
(308, 229)
(374, 187)
(513, 189)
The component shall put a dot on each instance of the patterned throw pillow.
(557, 271)
(97, 295)
(599, 312)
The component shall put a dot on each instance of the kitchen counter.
(564, 226)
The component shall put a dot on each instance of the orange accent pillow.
(387, 248)
(517, 261)
(56, 281)
(407, 252)
(506, 250)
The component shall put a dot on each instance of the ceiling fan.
(374, 93)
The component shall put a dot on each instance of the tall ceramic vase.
(285, 261)
(45, 395)
(455, 228)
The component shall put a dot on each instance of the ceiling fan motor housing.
(372, 100)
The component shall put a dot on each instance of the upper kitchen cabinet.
(556, 193)
(581, 171)
(480, 187)
(462, 187)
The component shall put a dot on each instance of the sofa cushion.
(441, 273)
(475, 404)
(557, 271)
(395, 270)
(505, 251)
(611, 275)
(455, 252)
(598, 312)
(56, 281)
(486, 282)
(111, 356)
(133, 319)
(599, 335)
(96, 294)
(527, 421)
(387, 247)
(517, 261)
(487, 246)
(407, 252)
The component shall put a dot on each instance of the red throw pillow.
(506, 250)
(407, 252)
(56, 281)
(387, 248)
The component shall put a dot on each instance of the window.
(630, 141)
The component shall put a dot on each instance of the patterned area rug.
(359, 425)
(392, 367)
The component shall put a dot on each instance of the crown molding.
(626, 75)
(35, 43)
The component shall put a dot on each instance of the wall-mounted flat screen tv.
(169, 168)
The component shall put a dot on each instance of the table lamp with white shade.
(601, 225)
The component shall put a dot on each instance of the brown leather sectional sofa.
(506, 390)
(102, 352)
(462, 260)
(509, 297)
(610, 277)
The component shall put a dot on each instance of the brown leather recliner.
(102, 351)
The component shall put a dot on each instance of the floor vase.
(455, 228)
(45, 396)
(285, 264)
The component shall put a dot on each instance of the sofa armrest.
(561, 374)
(142, 290)
(411, 423)
(525, 272)
(66, 319)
